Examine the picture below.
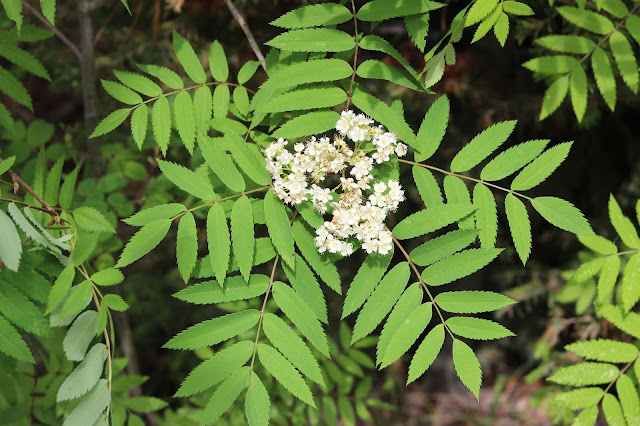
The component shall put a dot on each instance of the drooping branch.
(247, 32)
(56, 31)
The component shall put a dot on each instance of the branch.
(243, 24)
(50, 210)
(57, 32)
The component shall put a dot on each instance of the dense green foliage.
(240, 248)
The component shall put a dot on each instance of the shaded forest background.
(486, 85)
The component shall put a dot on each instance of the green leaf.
(187, 245)
(278, 225)
(91, 406)
(77, 300)
(235, 289)
(299, 312)
(11, 247)
(347, 414)
(242, 235)
(312, 123)
(578, 91)
(512, 160)
(24, 60)
(36, 235)
(110, 122)
(608, 278)
(477, 328)
(165, 75)
(248, 162)
(630, 280)
(562, 214)
(316, 15)
(219, 242)
(115, 302)
(384, 114)
(612, 410)
(408, 302)
(203, 109)
(443, 246)
(458, 265)
(247, 71)
(187, 180)
(374, 69)
(80, 335)
(633, 26)
(378, 44)
(60, 287)
(144, 404)
(12, 344)
(478, 11)
(292, 347)
(559, 64)
(257, 406)
(284, 373)
(628, 395)
(52, 184)
(517, 8)
(218, 62)
(554, 96)
(221, 164)
(214, 331)
(430, 220)
(467, 367)
(6, 164)
(567, 43)
(379, 10)
(184, 119)
(143, 241)
(417, 28)
(585, 374)
(161, 123)
(501, 28)
(604, 77)
(598, 244)
(49, 10)
(590, 21)
(11, 86)
(15, 307)
(407, 333)
(151, 214)
(215, 369)
(188, 59)
(13, 8)
(322, 264)
(223, 397)
(541, 168)
(519, 225)
(427, 186)
(139, 121)
(313, 98)
(85, 376)
(487, 24)
(486, 215)
(121, 93)
(138, 83)
(578, 398)
(587, 417)
(482, 146)
(471, 302)
(221, 97)
(623, 225)
(604, 350)
(426, 353)
(305, 284)
(313, 40)
(381, 301)
(457, 193)
(92, 220)
(432, 129)
(367, 278)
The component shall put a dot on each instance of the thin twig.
(57, 32)
(247, 32)
(22, 183)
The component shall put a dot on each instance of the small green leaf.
(278, 225)
(80, 335)
(426, 353)
(219, 241)
(587, 19)
(549, 65)
(430, 220)
(517, 8)
(284, 373)
(91, 406)
(218, 62)
(145, 240)
(629, 285)
(585, 374)
(322, 264)
(60, 287)
(311, 123)
(85, 376)
(477, 328)
(214, 331)
(428, 187)
(628, 396)
(443, 246)
(248, 162)
(306, 285)
(110, 122)
(541, 168)
(115, 302)
(408, 302)
(11, 247)
(144, 404)
(187, 180)
(162, 211)
(612, 410)
(554, 96)
(379, 10)
(187, 245)
(567, 43)
(562, 214)
(12, 344)
(256, 405)
(467, 367)
(188, 59)
(223, 397)
(407, 333)
(242, 235)
(165, 75)
(92, 220)
(458, 265)
(623, 226)
(313, 40)
(471, 302)
(432, 129)
(161, 123)
(604, 350)
(221, 163)
(311, 98)
(121, 92)
(512, 160)
(185, 119)
(486, 215)
(482, 146)
(247, 71)
(235, 288)
(315, 15)
(139, 83)
(367, 278)
(604, 77)
(375, 69)
(221, 96)
(519, 225)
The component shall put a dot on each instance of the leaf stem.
(426, 166)
(620, 373)
(184, 89)
(47, 207)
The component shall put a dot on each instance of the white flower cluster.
(359, 206)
